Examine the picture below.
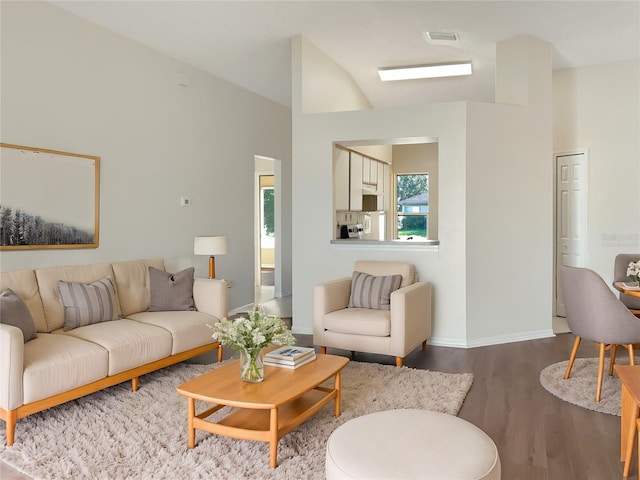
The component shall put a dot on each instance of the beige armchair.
(395, 328)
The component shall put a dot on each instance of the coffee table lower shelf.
(263, 425)
(263, 412)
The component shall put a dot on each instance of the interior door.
(572, 220)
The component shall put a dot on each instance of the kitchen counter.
(400, 244)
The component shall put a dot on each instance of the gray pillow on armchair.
(369, 291)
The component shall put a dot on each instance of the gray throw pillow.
(171, 291)
(369, 291)
(13, 311)
(85, 304)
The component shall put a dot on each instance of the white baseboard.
(463, 343)
(302, 331)
(243, 309)
(486, 341)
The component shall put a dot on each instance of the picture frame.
(48, 199)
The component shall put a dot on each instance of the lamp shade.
(213, 245)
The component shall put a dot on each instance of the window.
(412, 206)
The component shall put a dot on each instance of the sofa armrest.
(410, 317)
(210, 296)
(11, 366)
(329, 297)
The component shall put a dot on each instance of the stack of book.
(289, 357)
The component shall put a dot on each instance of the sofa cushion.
(369, 291)
(132, 284)
(13, 311)
(85, 304)
(48, 283)
(24, 284)
(58, 363)
(171, 291)
(359, 321)
(129, 343)
(188, 328)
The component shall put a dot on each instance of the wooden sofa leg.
(12, 417)
(424, 345)
(398, 361)
(323, 350)
(134, 384)
(219, 353)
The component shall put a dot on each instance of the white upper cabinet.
(354, 175)
(374, 168)
(366, 170)
(341, 180)
(355, 194)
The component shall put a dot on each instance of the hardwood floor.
(538, 435)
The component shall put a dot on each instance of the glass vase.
(252, 365)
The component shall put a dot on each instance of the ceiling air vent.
(442, 38)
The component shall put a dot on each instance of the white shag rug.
(120, 434)
(580, 387)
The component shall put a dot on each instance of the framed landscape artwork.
(48, 199)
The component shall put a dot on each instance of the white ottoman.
(411, 444)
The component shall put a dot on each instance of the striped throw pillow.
(369, 291)
(85, 304)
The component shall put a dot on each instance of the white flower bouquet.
(633, 271)
(249, 336)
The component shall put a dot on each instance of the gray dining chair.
(595, 313)
(620, 275)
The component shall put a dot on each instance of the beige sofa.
(58, 365)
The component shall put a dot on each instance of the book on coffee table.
(290, 355)
(291, 366)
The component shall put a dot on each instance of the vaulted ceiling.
(248, 42)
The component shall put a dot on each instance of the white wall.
(70, 85)
(598, 108)
(509, 201)
(316, 260)
(474, 269)
(327, 87)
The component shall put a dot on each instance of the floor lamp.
(213, 245)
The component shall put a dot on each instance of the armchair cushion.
(369, 291)
(359, 321)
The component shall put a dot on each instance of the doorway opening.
(267, 230)
(267, 237)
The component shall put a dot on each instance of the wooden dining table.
(631, 291)
(630, 403)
